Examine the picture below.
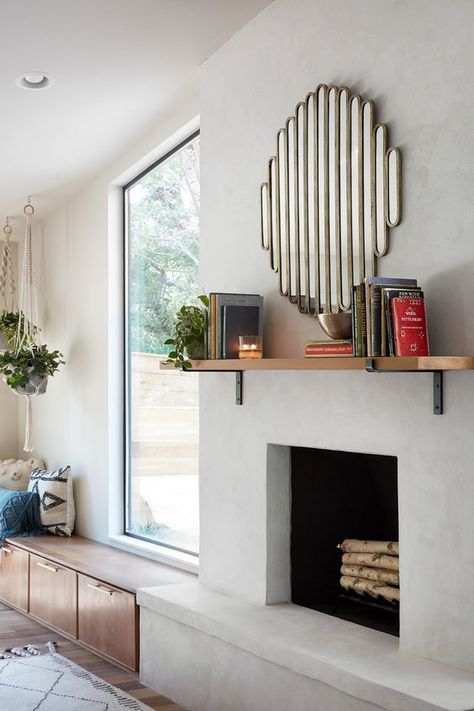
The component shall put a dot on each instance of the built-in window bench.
(283, 656)
(83, 589)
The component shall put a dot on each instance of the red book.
(313, 350)
(409, 327)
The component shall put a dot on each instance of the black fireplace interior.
(338, 495)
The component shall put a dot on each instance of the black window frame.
(127, 353)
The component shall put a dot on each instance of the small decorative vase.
(336, 325)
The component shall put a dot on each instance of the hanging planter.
(26, 364)
(27, 371)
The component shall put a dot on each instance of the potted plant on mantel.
(189, 334)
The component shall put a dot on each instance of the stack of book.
(371, 567)
(389, 318)
(231, 316)
(328, 348)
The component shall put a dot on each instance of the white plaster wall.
(8, 423)
(9, 402)
(80, 419)
(415, 59)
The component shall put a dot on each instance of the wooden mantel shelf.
(426, 364)
(393, 364)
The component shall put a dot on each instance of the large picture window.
(162, 415)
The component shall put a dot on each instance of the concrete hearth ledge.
(355, 660)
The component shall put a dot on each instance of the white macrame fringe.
(28, 308)
(28, 444)
(7, 273)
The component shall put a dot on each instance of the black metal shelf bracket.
(239, 386)
(369, 365)
(437, 382)
(437, 392)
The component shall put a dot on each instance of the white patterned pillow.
(54, 489)
(15, 473)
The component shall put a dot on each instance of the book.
(354, 319)
(373, 286)
(239, 320)
(363, 320)
(387, 345)
(330, 342)
(409, 326)
(328, 348)
(358, 321)
(212, 339)
(217, 302)
(206, 334)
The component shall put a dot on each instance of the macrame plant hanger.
(27, 335)
(7, 273)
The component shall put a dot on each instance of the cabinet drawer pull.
(7, 551)
(46, 566)
(101, 588)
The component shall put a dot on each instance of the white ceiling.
(118, 64)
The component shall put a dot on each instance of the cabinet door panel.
(14, 576)
(53, 594)
(107, 620)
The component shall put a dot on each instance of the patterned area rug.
(49, 682)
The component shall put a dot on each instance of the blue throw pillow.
(19, 514)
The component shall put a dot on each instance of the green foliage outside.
(151, 529)
(164, 248)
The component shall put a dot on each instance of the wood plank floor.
(17, 630)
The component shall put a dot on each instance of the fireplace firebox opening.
(335, 496)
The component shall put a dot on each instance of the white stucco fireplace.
(241, 644)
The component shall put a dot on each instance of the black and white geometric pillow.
(54, 489)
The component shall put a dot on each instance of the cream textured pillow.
(54, 489)
(15, 473)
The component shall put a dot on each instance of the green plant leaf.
(189, 332)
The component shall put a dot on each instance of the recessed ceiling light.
(34, 81)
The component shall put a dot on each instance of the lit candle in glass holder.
(250, 347)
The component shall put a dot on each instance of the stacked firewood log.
(371, 567)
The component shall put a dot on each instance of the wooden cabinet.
(53, 594)
(14, 577)
(107, 620)
(84, 589)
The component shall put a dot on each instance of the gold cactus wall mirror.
(333, 191)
